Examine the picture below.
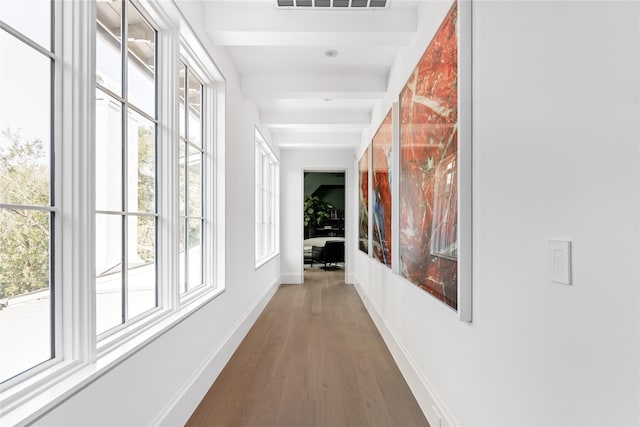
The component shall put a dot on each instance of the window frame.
(53, 54)
(201, 151)
(22, 396)
(81, 357)
(267, 183)
(129, 107)
(212, 131)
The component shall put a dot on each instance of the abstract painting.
(429, 168)
(382, 175)
(363, 172)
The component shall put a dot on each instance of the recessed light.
(331, 53)
(328, 99)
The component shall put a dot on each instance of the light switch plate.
(560, 261)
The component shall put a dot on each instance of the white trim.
(395, 187)
(182, 404)
(465, 181)
(265, 260)
(28, 396)
(351, 279)
(188, 37)
(268, 148)
(167, 169)
(208, 177)
(39, 403)
(218, 102)
(262, 151)
(79, 124)
(431, 404)
(74, 337)
(214, 101)
(292, 278)
(347, 229)
(392, 111)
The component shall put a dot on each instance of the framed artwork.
(381, 147)
(363, 211)
(435, 166)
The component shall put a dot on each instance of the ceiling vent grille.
(332, 4)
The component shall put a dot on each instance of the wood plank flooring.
(313, 358)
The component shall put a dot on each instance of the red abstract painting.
(429, 167)
(381, 215)
(363, 172)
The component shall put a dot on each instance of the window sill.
(263, 261)
(67, 378)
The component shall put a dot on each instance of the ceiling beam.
(267, 26)
(316, 140)
(293, 120)
(314, 87)
(268, 38)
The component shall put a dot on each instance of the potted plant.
(315, 212)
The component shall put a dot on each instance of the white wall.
(292, 164)
(556, 140)
(164, 381)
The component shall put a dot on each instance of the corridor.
(313, 358)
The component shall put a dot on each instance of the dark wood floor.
(313, 358)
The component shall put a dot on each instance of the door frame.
(346, 215)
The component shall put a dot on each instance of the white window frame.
(73, 123)
(80, 356)
(54, 53)
(267, 208)
(186, 216)
(212, 105)
(128, 106)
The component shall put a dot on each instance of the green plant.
(24, 234)
(315, 211)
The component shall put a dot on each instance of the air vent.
(333, 4)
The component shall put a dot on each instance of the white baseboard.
(351, 279)
(432, 406)
(186, 400)
(291, 278)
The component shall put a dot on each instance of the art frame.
(363, 202)
(435, 194)
(381, 173)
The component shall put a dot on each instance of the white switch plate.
(560, 261)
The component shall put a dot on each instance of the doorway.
(324, 225)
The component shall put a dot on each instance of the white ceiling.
(305, 98)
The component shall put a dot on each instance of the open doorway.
(324, 205)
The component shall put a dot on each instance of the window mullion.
(125, 162)
(167, 182)
(75, 43)
(186, 178)
(32, 44)
(203, 198)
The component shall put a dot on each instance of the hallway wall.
(165, 380)
(556, 155)
(292, 164)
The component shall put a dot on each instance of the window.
(125, 177)
(97, 258)
(266, 195)
(28, 211)
(191, 172)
